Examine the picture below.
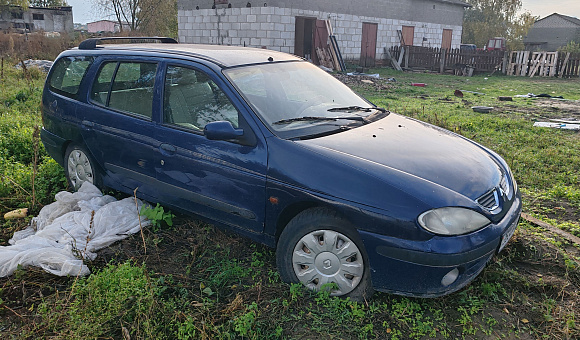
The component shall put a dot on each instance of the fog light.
(450, 277)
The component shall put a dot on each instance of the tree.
(158, 17)
(496, 18)
(48, 3)
(22, 3)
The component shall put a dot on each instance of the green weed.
(158, 216)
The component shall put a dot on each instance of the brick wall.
(273, 27)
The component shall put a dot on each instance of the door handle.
(167, 149)
(87, 125)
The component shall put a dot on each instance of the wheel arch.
(296, 208)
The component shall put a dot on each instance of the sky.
(543, 8)
(84, 10)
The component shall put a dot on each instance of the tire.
(80, 167)
(304, 256)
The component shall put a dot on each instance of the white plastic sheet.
(69, 230)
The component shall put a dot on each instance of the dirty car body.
(270, 146)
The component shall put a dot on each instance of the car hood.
(417, 149)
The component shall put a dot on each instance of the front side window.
(67, 74)
(126, 86)
(193, 100)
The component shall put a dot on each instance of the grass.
(197, 282)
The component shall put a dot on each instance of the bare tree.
(141, 15)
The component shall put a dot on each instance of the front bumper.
(440, 265)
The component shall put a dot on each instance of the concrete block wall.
(274, 27)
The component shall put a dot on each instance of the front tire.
(318, 247)
(80, 167)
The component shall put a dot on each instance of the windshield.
(289, 92)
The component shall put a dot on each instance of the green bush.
(572, 47)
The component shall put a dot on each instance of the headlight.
(452, 221)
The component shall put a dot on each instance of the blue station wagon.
(274, 148)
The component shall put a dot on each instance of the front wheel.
(80, 167)
(318, 248)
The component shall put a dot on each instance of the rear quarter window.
(67, 74)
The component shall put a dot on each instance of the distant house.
(363, 28)
(106, 26)
(53, 19)
(554, 31)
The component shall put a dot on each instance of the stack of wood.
(330, 55)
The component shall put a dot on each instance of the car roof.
(225, 56)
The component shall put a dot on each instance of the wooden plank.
(525, 59)
(534, 63)
(393, 61)
(543, 64)
(560, 232)
(511, 66)
(401, 54)
(563, 68)
(442, 60)
(553, 64)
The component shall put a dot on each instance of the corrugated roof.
(565, 17)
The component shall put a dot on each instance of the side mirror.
(222, 130)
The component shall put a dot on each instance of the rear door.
(221, 180)
(117, 124)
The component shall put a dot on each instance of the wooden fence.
(543, 64)
(437, 59)
(518, 63)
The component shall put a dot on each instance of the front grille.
(489, 200)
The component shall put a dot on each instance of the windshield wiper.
(356, 109)
(308, 119)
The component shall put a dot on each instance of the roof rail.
(91, 44)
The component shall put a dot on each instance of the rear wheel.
(318, 248)
(80, 167)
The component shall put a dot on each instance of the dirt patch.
(544, 109)
(366, 82)
(568, 109)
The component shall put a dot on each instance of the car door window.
(131, 90)
(193, 100)
(102, 84)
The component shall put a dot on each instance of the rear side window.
(131, 89)
(67, 74)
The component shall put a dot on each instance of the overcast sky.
(83, 11)
(543, 8)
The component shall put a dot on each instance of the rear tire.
(80, 167)
(319, 247)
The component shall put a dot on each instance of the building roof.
(94, 22)
(565, 17)
(455, 2)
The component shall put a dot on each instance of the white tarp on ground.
(62, 234)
